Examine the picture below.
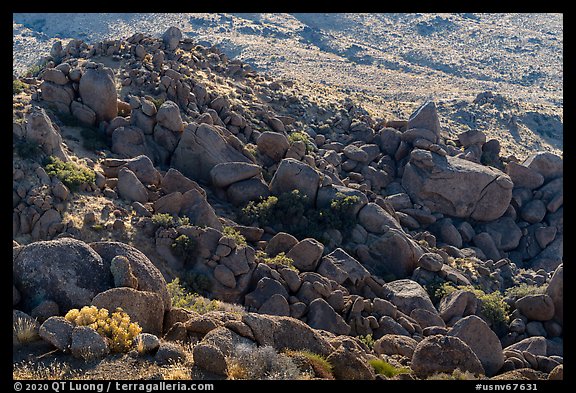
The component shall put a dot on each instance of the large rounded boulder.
(457, 187)
(66, 271)
(149, 277)
(98, 91)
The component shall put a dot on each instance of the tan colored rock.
(143, 307)
(457, 187)
(98, 91)
(444, 354)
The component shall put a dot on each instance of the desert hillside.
(187, 207)
(389, 62)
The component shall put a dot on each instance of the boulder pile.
(353, 238)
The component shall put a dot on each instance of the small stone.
(431, 262)
(87, 344)
(122, 272)
(169, 353)
(58, 332)
(146, 343)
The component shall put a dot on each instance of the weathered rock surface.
(444, 354)
(536, 307)
(87, 344)
(457, 187)
(201, 147)
(98, 91)
(226, 173)
(408, 295)
(146, 308)
(40, 130)
(66, 271)
(130, 188)
(392, 344)
(295, 175)
(149, 277)
(58, 332)
(556, 292)
(482, 340)
(322, 316)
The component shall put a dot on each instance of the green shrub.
(261, 212)
(183, 298)
(98, 227)
(493, 308)
(383, 367)
(93, 139)
(436, 289)
(524, 289)
(168, 221)
(251, 148)
(180, 296)
(157, 102)
(293, 212)
(69, 173)
(35, 70)
(339, 215)
(445, 288)
(197, 282)
(18, 86)
(184, 247)
(368, 340)
(232, 233)
(301, 136)
(280, 260)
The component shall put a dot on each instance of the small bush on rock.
(117, 329)
(184, 247)
(524, 289)
(167, 221)
(301, 136)
(183, 298)
(368, 340)
(25, 330)
(494, 309)
(320, 366)
(234, 234)
(280, 260)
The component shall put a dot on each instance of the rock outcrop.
(457, 187)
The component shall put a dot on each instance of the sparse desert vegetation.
(382, 201)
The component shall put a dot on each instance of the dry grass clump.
(262, 363)
(38, 371)
(25, 329)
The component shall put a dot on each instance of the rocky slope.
(303, 224)
(390, 62)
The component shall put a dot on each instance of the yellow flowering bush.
(116, 328)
